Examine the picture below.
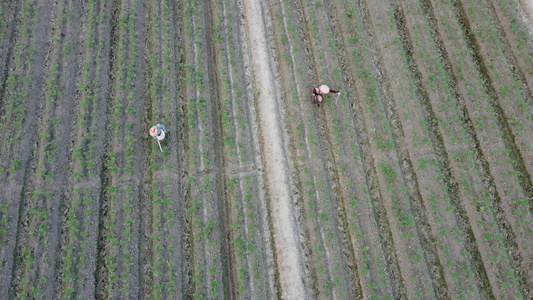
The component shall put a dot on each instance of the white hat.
(324, 89)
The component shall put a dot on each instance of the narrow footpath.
(289, 260)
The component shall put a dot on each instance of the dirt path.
(528, 9)
(276, 160)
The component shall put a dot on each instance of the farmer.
(158, 132)
(318, 93)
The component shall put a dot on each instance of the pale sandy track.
(527, 5)
(291, 270)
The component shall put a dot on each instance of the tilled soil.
(413, 182)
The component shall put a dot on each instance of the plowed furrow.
(351, 114)
(251, 258)
(503, 79)
(511, 17)
(166, 259)
(323, 172)
(121, 273)
(9, 13)
(448, 80)
(205, 164)
(22, 113)
(111, 48)
(423, 138)
(500, 152)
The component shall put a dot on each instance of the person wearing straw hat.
(320, 91)
(158, 132)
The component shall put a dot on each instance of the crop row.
(324, 202)
(252, 263)
(37, 240)
(494, 144)
(12, 115)
(39, 244)
(510, 119)
(346, 139)
(439, 81)
(402, 197)
(78, 259)
(506, 76)
(204, 206)
(511, 15)
(7, 25)
(425, 144)
(359, 28)
(15, 91)
(119, 270)
(16, 86)
(413, 183)
(169, 254)
(508, 81)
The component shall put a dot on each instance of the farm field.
(415, 182)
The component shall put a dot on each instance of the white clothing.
(160, 136)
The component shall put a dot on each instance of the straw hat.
(324, 89)
(153, 131)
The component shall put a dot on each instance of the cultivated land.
(414, 183)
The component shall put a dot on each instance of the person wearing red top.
(320, 91)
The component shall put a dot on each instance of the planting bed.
(414, 182)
